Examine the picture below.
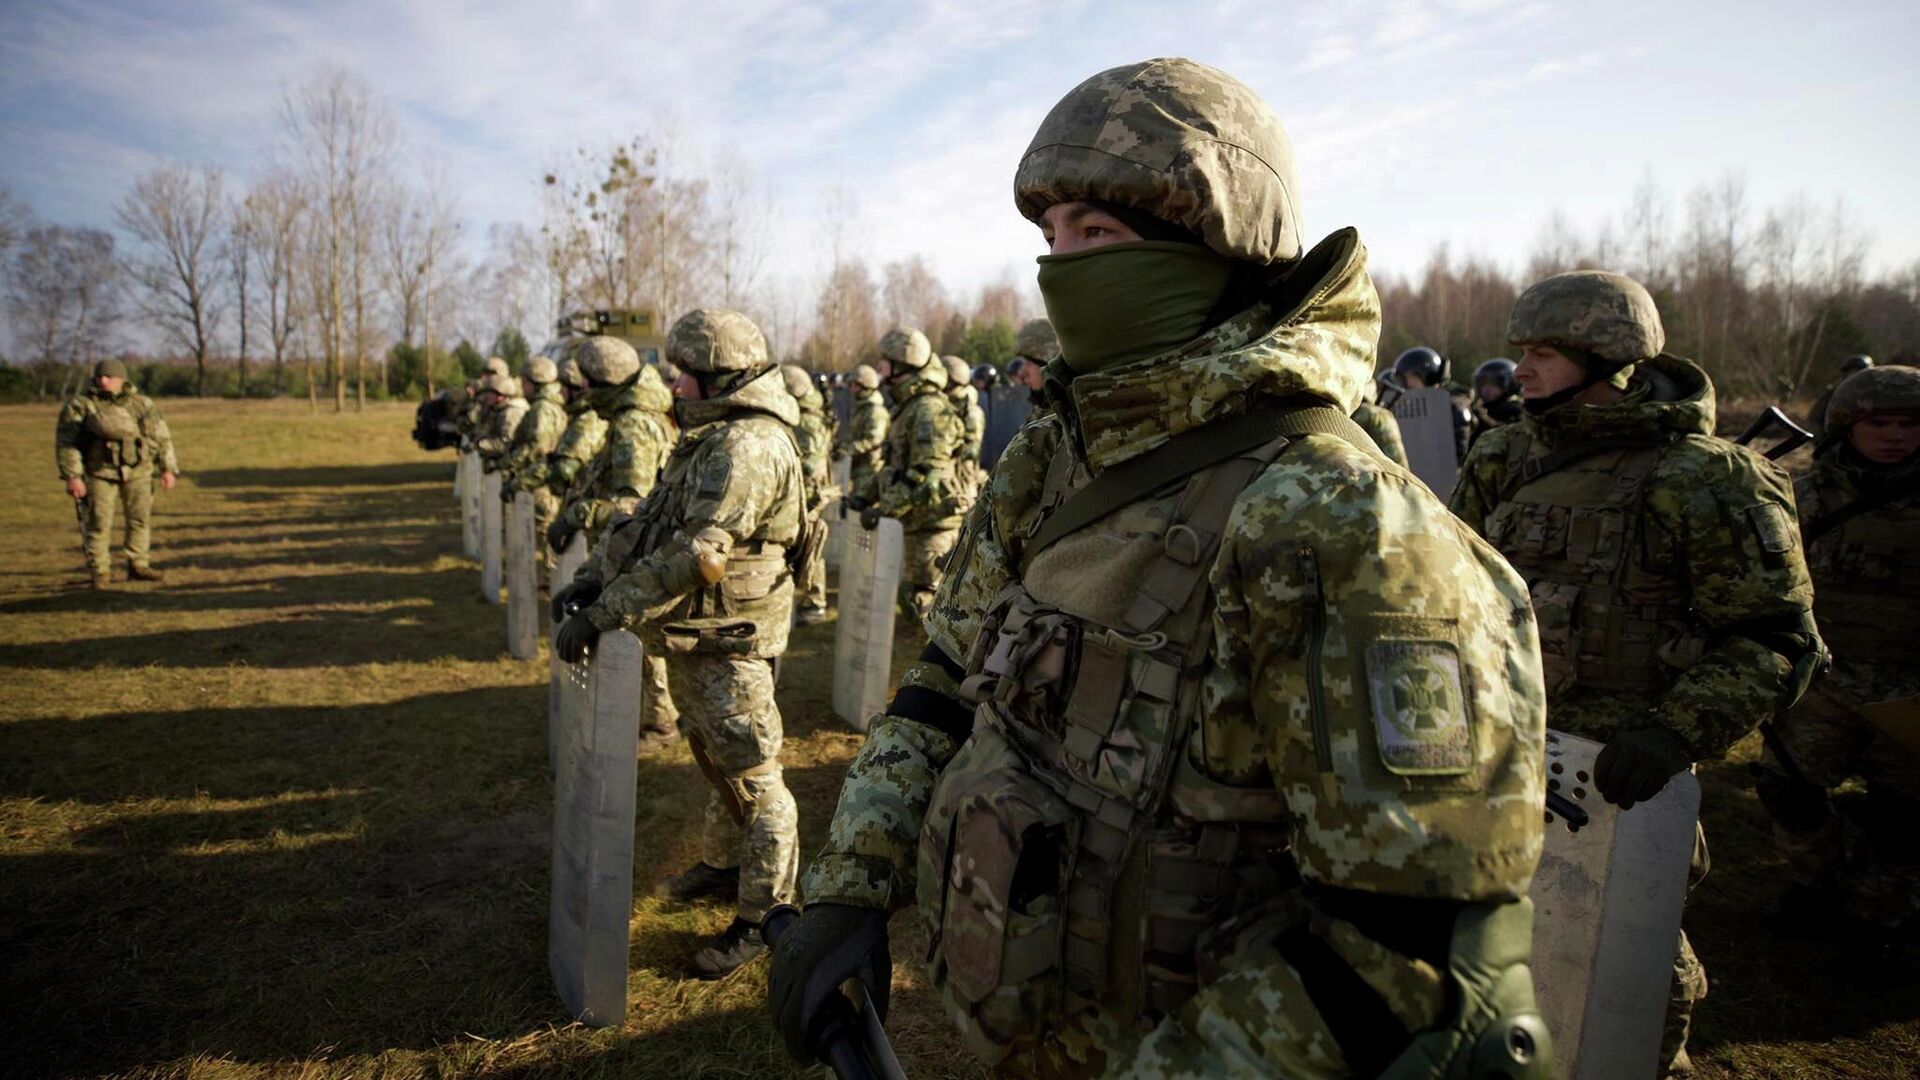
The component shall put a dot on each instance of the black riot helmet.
(1855, 363)
(1427, 364)
(1497, 372)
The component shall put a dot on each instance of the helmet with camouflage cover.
(1873, 392)
(797, 380)
(571, 374)
(606, 360)
(503, 384)
(958, 373)
(1184, 142)
(1037, 341)
(1603, 321)
(540, 371)
(497, 366)
(716, 341)
(1856, 362)
(866, 378)
(905, 348)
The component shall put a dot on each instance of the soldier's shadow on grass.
(437, 471)
(451, 587)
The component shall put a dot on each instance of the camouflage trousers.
(1869, 861)
(921, 567)
(729, 716)
(136, 494)
(546, 507)
(658, 715)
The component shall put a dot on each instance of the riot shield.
(1007, 410)
(492, 531)
(460, 479)
(566, 564)
(1426, 426)
(470, 506)
(834, 512)
(523, 580)
(1607, 900)
(593, 797)
(863, 639)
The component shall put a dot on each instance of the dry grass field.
(286, 815)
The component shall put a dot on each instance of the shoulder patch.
(1420, 707)
(713, 476)
(1773, 526)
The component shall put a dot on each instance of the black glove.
(1636, 763)
(870, 519)
(559, 534)
(574, 594)
(830, 944)
(576, 635)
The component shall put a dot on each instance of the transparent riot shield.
(492, 531)
(1607, 901)
(470, 505)
(523, 580)
(834, 513)
(566, 564)
(593, 799)
(1426, 426)
(863, 640)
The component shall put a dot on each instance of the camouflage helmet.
(1607, 316)
(497, 366)
(958, 373)
(540, 371)
(905, 347)
(716, 340)
(1037, 341)
(570, 373)
(1856, 362)
(866, 377)
(1184, 142)
(500, 383)
(798, 383)
(606, 360)
(1874, 391)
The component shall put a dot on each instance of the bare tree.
(742, 229)
(177, 215)
(239, 252)
(277, 207)
(62, 292)
(15, 220)
(914, 295)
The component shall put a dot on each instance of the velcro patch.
(1774, 527)
(1420, 707)
(713, 476)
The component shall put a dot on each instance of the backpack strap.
(1865, 504)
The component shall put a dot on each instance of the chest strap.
(1181, 457)
(1865, 504)
(1529, 469)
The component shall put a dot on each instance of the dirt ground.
(286, 815)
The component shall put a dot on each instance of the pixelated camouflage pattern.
(494, 366)
(904, 346)
(1714, 536)
(732, 487)
(79, 452)
(922, 437)
(640, 434)
(605, 359)
(585, 434)
(812, 435)
(1380, 425)
(730, 711)
(866, 377)
(537, 435)
(1875, 390)
(1609, 315)
(134, 498)
(863, 442)
(1037, 341)
(1185, 142)
(541, 370)
(716, 339)
(496, 426)
(1866, 571)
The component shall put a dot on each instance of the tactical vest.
(1578, 534)
(1071, 853)
(115, 440)
(1866, 580)
(944, 510)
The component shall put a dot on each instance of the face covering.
(1119, 303)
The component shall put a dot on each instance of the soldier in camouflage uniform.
(1381, 426)
(1665, 564)
(1860, 518)
(535, 437)
(477, 417)
(107, 445)
(702, 573)
(1034, 347)
(1272, 693)
(503, 406)
(919, 487)
(640, 432)
(962, 395)
(863, 442)
(1817, 421)
(579, 444)
(816, 443)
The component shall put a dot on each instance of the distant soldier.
(476, 416)
(922, 437)
(107, 444)
(863, 442)
(503, 405)
(815, 446)
(1665, 564)
(535, 437)
(1381, 425)
(702, 574)
(968, 476)
(1496, 396)
(1860, 521)
(637, 407)
(585, 434)
(1034, 348)
(1421, 367)
(1817, 422)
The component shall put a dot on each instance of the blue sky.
(1465, 122)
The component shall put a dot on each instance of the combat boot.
(652, 739)
(730, 950)
(810, 616)
(102, 580)
(143, 572)
(700, 882)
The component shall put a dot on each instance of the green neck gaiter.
(1119, 303)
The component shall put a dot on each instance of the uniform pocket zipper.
(1316, 639)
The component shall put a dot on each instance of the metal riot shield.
(470, 505)
(459, 478)
(1007, 410)
(593, 797)
(523, 580)
(834, 512)
(566, 564)
(863, 640)
(1426, 426)
(492, 531)
(1607, 900)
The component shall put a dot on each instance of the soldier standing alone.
(108, 443)
(1665, 564)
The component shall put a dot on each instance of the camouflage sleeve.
(1477, 491)
(1730, 516)
(636, 449)
(866, 430)
(162, 435)
(915, 484)
(67, 433)
(738, 479)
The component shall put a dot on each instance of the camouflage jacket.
(815, 449)
(1866, 572)
(640, 435)
(112, 438)
(923, 436)
(1329, 550)
(586, 433)
(1385, 430)
(494, 433)
(536, 436)
(1666, 567)
(864, 443)
(733, 491)
(973, 422)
